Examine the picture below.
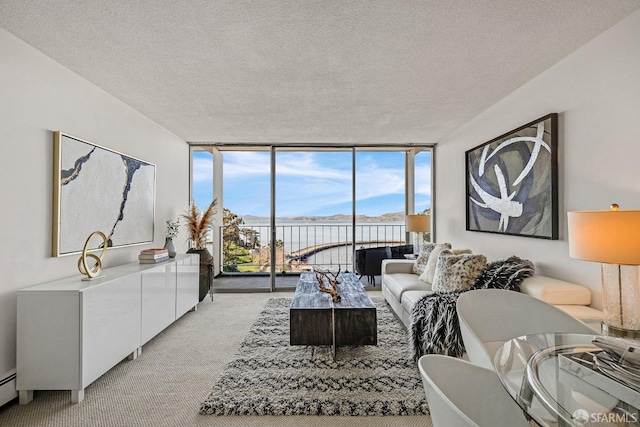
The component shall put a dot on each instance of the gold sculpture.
(93, 272)
(333, 280)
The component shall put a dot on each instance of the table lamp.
(418, 224)
(612, 238)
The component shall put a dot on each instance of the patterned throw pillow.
(457, 272)
(461, 251)
(423, 257)
(430, 269)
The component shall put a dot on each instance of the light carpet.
(267, 376)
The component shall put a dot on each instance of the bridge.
(304, 253)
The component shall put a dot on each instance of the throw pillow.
(460, 251)
(423, 257)
(505, 274)
(430, 269)
(457, 272)
(425, 252)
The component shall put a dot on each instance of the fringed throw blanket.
(434, 327)
(506, 274)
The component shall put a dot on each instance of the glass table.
(553, 378)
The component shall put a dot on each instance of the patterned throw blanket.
(434, 327)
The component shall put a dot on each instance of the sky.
(311, 183)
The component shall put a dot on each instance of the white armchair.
(490, 317)
(462, 394)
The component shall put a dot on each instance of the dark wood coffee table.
(316, 320)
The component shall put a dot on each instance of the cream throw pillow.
(430, 268)
(457, 272)
(425, 253)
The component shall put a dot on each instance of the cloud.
(317, 183)
(382, 174)
(298, 164)
(246, 163)
(331, 166)
(422, 182)
(202, 169)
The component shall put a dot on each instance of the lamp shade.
(418, 223)
(611, 237)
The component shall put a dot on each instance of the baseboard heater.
(8, 387)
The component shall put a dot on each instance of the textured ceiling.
(348, 71)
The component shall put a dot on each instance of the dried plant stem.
(199, 222)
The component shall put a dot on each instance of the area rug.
(267, 376)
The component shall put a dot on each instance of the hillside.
(388, 217)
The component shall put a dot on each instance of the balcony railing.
(301, 247)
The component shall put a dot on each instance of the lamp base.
(621, 300)
(612, 331)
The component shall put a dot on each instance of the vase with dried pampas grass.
(198, 224)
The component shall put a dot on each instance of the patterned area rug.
(267, 376)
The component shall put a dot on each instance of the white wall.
(596, 91)
(38, 97)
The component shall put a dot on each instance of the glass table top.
(554, 379)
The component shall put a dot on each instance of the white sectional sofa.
(401, 288)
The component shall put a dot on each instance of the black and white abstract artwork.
(512, 182)
(97, 189)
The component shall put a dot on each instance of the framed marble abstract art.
(97, 189)
(512, 182)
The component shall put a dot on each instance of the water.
(296, 236)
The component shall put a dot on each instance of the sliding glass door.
(422, 186)
(285, 210)
(246, 229)
(380, 203)
(313, 210)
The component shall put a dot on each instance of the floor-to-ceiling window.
(202, 186)
(380, 197)
(202, 178)
(313, 209)
(422, 186)
(290, 209)
(245, 232)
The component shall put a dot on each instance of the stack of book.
(153, 256)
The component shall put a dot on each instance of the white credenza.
(71, 331)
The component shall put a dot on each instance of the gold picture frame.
(95, 188)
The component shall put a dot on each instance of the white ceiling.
(348, 71)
